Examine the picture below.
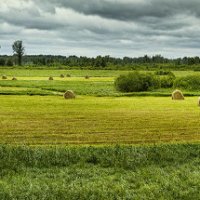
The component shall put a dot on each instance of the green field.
(97, 120)
(101, 83)
(73, 73)
(102, 145)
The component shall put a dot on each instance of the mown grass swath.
(97, 120)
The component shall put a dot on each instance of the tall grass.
(120, 172)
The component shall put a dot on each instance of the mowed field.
(50, 120)
(36, 113)
(103, 145)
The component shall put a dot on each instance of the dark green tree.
(18, 50)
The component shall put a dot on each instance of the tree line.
(99, 62)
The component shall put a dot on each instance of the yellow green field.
(98, 120)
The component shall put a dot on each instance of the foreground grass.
(159, 172)
(97, 120)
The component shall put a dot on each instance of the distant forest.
(103, 62)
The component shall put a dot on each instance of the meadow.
(102, 145)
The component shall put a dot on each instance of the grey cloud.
(115, 27)
(131, 10)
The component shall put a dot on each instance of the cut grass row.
(47, 120)
(57, 73)
(74, 73)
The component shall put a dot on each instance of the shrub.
(191, 82)
(137, 82)
(167, 81)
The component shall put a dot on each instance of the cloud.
(93, 27)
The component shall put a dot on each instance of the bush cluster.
(167, 81)
(137, 82)
(191, 82)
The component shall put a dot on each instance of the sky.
(117, 28)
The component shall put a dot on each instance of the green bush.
(167, 81)
(137, 82)
(191, 82)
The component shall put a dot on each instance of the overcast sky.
(102, 27)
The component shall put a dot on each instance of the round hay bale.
(14, 79)
(51, 78)
(62, 76)
(4, 77)
(69, 94)
(68, 75)
(199, 101)
(177, 95)
(87, 77)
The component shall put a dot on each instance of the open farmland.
(100, 83)
(98, 120)
(35, 111)
(102, 145)
(99, 100)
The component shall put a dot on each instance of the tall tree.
(19, 50)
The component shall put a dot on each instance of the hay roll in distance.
(87, 77)
(177, 95)
(62, 76)
(51, 78)
(199, 101)
(69, 94)
(4, 77)
(14, 79)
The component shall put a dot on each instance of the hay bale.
(4, 77)
(51, 78)
(87, 77)
(14, 79)
(177, 95)
(199, 101)
(68, 75)
(62, 76)
(69, 94)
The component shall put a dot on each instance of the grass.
(159, 172)
(57, 73)
(101, 83)
(109, 147)
(74, 73)
(80, 87)
(43, 120)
